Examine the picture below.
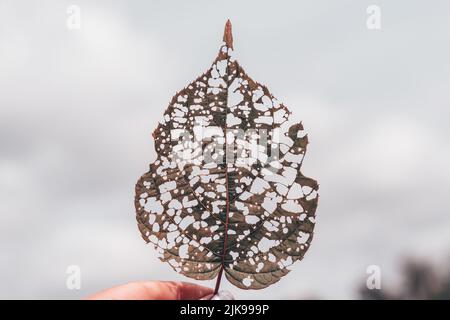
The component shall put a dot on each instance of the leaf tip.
(227, 35)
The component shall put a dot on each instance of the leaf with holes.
(225, 194)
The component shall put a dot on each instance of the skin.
(153, 290)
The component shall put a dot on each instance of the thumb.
(153, 290)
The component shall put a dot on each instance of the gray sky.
(77, 108)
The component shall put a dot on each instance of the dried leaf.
(225, 193)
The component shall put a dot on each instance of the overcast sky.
(77, 108)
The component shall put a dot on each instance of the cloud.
(77, 109)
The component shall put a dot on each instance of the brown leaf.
(211, 202)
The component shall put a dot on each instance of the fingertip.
(190, 291)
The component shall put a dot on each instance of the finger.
(153, 290)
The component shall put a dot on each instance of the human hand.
(154, 290)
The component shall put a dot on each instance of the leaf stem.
(227, 35)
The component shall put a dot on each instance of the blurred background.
(82, 86)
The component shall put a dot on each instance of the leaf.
(218, 199)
